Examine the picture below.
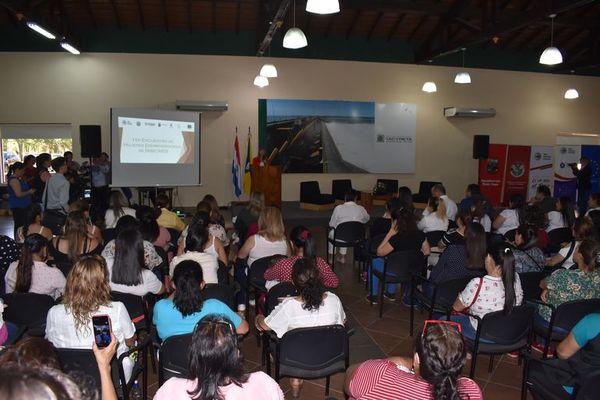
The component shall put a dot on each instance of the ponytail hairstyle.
(442, 353)
(301, 238)
(464, 216)
(187, 278)
(198, 234)
(148, 225)
(590, 252)
(33, 244)
(529, 234)
(13, 168)
(34, 211)
(437, 207)
(406, 222)
(504, 257)
(307, 279)
(567, 211)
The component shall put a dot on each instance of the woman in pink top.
(216, 368)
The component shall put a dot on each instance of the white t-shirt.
(486, 222)
(207, 261)
(349, 211)
(431, 222)
(569, 262)
(555, 221)
(289, 314)
(490, 298)
(44, 279)
(451, 207)
(111, 221)
(511, 221)
(265, 248)
(150, 283)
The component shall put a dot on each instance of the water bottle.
(136, 391)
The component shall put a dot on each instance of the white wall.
(61, 88)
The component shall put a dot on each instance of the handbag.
(53, 219)
(467, 310)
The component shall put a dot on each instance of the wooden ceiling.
(418, 31)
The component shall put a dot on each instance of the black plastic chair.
(175, 234)
(391, 185)
(424, 191)
(530, 282)
(311, 193)
(173, 357)
(347, 234)
(339, 188)
(434, 237)
(557, 237)
(499, 333)
(221, 292)
(564, 317)
(28, 310)
(311, 353)
(255, 279)
(282, 289)
(398, 267)
(109, 234)
(442, 296)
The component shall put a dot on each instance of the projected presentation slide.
(155, 141)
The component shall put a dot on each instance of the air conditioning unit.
(469, 112)
(196, 105)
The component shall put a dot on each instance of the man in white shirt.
(349, 211)
(439, 191)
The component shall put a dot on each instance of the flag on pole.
(247, 183)
(236, 167)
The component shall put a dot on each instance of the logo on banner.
(517, 169)
(538, 156)
(492, 166)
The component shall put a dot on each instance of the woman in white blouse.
(434, 216)
(583, 228)
(117, 209)
(563, 217)
(509, 218)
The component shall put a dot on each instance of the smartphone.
(87, 193)
(101, 326)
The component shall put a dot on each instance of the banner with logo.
(593, 154)
(540, 168)
(565, 183)
(491, 173)
(517, 172)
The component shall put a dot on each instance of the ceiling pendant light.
(571, 94)
(462, 77)
(40, 30)
(551, 55)
(268, 71)
(261, 81)
(294, 38)
(69, 48)
(429, 87)
(323, 6)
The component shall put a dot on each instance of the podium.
(267, 180)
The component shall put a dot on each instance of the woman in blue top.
(19, 194)
(179, 313)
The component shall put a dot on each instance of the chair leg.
(491, 366)
(327, 385)
(473, 363)
(412, 310)
(381, 288)
(333, 259)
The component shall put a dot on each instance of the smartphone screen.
(101, 325)
(87, 193)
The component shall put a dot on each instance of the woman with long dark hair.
(215, 215)
(528, 256)
(499, 289)
(203, 211)
(563, 216)
(33, 224)
(583, 228)
(118, 206)
(405, 197)
(179, 313)
(31, 274)
(75, 241)
(151, 231)
(19, 194)
(127, 271)
(510, 218)
(216, 368)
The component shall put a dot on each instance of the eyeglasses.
(438, 322)
(217, 322)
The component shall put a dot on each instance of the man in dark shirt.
(584, 182)
(472, 194)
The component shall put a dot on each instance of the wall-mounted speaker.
(481, 146)
(90, 138)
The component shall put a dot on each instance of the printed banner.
(516, 176)
(540, 168)
(593, 154)
(565, 183)
(491, 173)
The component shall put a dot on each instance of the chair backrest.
(391, 185)
(558, 236)
(173, 358)
(134, 304)
(109, 234)
(530, 282)
(257, 270)
(425, 188)
(433, 237)
(83, 361)
(351, 232)
(509, 328)
(308, 190)
(339, 188)
(404, 264)
(283, 289)
(570, 313)
(28, 309)
(590, 387)
(221, 292)
(448, 291)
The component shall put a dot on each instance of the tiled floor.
(374, 338)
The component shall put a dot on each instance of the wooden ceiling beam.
(141, 13)
(419, 25)
(375, 24)
(505, 43)
(329, 26)
(116, 13)
(273, 26)
(65, 22)
(214, 16)
(238, 12)
(353, 23)
(454, 11)
(536, 31)
(88, 8)
(11, 17)
(165, 15)
(397, 24)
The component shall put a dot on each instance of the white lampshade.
(429, 87)
(323, 6)
(462, 77)
(294, 39)
(261, 81)
(551, 56)
(571, 94)
(268, 71)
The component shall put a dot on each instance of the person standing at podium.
(261, 160)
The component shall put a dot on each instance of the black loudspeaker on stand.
(90, 139)
(481, 146)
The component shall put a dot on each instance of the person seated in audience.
(439, 191)
(402, 236)
(87, 293)
(203, 209)
(406, 199)
(462, 261)
(510, 218)
(473, 194)
(593, 203)
(349, 211)
(499, 289)
(84, 207)
(33, 224)
(31, 350)
(578, 357)
(270, 240)
(167, 218)
(151, 257)
(314, 306)
(127, 272)
(456, 236)
(249, 215)
(179, 313)
(158, 235)
(382, 225)
(215, 215)
(117, 207)
(303, 245)
(9, 251)
(479, 215)
(528, 256)
(563, 216)
(594, 216)
(31, 274)
(543, 199)
(75, 241)
(434, 216)
(433, 372)
(582, 228)
(216, 368)
(199, 249)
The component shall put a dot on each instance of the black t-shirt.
(381, 226)
(453, 237)
(407, 241)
